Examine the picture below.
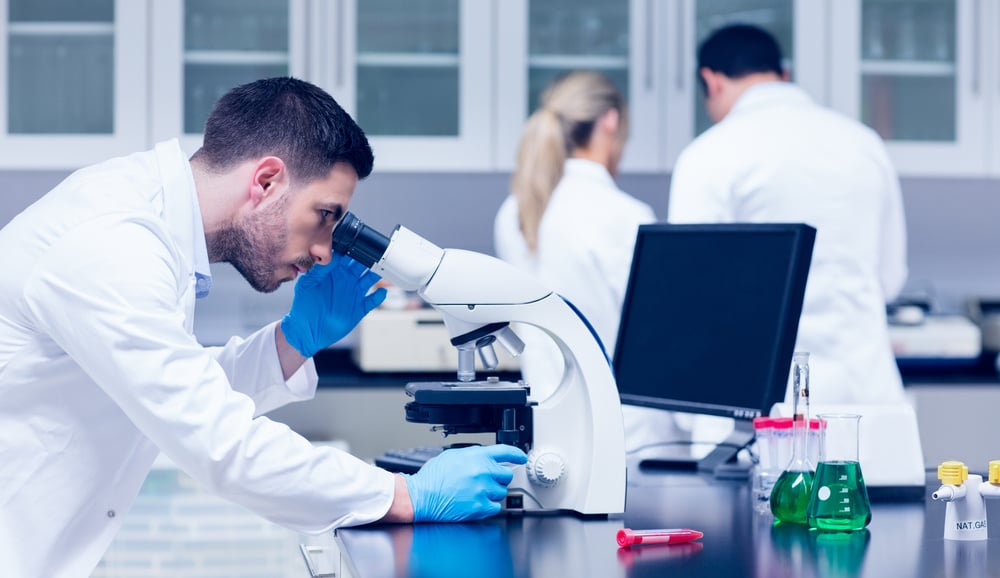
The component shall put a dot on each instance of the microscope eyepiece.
(357, 240)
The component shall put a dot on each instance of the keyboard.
(409, 460)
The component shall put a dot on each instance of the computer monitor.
(709, 321)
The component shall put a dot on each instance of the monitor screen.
(710, 316)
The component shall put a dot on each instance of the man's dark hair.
(288, 118)
(738, 50)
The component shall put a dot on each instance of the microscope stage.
(489, 392)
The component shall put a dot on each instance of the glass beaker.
(839, 498)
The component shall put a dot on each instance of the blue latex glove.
(463, 484)
(329, 301)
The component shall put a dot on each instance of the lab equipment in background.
(571, 430)
(790, 495)
(839, 498)
(964, 495)
(936, 338)
(919, 336)
(708, 326)
(411, 340)
(985, 313)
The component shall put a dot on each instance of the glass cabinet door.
(73, 81)
(800, 27)
(416, 76)
(913, 70)
(203, 48)
(408, 61)
(539, 40)
(909, 67)
(775, 16)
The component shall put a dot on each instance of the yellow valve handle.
(954, 472)
(994, 472)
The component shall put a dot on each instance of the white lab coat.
(99, 371)
(778, 157)
(585, 242)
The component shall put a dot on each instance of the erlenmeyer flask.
(790, 494)
(839, 498)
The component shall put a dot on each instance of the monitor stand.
(721, 462)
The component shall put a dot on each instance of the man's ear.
(712, 80)
(269, 174)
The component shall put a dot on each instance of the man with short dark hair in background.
(776, 156)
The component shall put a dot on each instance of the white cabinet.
(923, 74)
(416, 75)
(72, 81)
(202, 48)
(446, 85)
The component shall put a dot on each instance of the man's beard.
(251, 244)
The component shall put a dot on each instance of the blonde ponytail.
(569, 110)
(540, 161)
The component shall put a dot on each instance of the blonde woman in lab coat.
(568, 223)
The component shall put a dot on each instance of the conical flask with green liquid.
(790, 495)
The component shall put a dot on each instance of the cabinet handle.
(679, 80)
(339, 61)
(977, 10)
(648, 72)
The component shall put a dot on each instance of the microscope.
(573, 434)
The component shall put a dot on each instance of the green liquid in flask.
(840, 502)
(790, 496)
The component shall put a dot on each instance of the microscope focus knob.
(545, 467)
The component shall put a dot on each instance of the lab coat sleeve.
(109, 294)
(696, 194)
(253, 368)
(892, 258)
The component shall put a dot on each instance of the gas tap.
(965, 495)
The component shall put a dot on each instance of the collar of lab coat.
(588, 169)
(770, 94)
(183, 210)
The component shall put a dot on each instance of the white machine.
(572, 431)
